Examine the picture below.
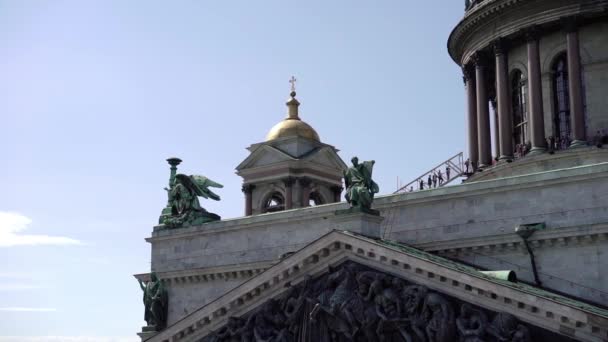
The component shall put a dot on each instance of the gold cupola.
(292, 125)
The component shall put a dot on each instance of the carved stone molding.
(247, 188)
(499, 244)
(353, 303)
(480, 60)
(209, 274)
(304, 181)
(500, 46)
(545, 310)
(508, 17)
(289, 181)
(532, 33)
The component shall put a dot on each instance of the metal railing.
(456, 165)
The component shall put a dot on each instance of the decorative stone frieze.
(245, 271)
(508, 18)
(540, 308)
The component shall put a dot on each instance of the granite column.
(537, 120)
(469, 81)
(288, 192)
(337, 190)
(305, 186)
(505, 123)
(577, 111)
(248, 190)
(483, 113)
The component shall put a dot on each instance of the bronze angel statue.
(360, 188)
(185, 207)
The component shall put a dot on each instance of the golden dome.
(292, 126)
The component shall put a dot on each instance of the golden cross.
(293, 83)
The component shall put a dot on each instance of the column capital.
(500, 46)
(337, 188)
(493, 103)
(480, 59)
(289, 181)
(247, 188)
(532, 33)
(304, 181)
(570, 24)
(468, 73)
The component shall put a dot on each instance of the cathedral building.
(517, 252)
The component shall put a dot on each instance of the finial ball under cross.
(293, 81)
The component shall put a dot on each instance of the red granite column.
(537, 120)
(305, 186)
(288, 192)
(469, 81)
(337, 190)
(505, 123)
(493, 105)
(483, 113)
(247, 190)
(577, 111)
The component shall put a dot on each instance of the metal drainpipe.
(525, 231)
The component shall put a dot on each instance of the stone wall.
(187, 297)
(480, 214)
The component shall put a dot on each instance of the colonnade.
(476, 78)
(304, 186)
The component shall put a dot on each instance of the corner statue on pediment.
(155, 303)
(360, 188)
(183, 207)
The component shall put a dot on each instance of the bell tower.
(292, 168)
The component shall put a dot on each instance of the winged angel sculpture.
(185, 207)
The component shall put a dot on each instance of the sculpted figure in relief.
(506, 328)
(360, 188)
(471, 324)
(355, 303)
(440, 316)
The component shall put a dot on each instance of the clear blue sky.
(95, 95)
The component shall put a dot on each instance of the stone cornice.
(549, 238)
(198, 275)
(289, 168)
(530, 161)
(389, 202)
(494, 19)
(473, 189)
(551, 312)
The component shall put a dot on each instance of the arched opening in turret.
(274, 202)
(315, 198)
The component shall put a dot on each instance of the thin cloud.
(18, 287)
(23, 309)
(11, 226)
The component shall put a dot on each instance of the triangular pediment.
(327, 157)
(318, 275)
(264, 155)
